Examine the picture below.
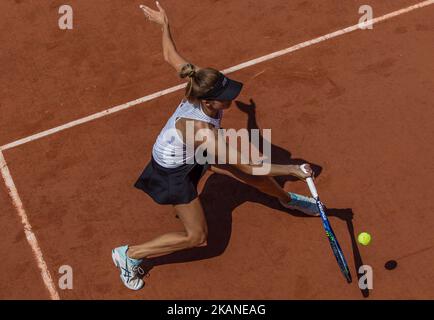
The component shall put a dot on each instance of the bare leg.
(195, 234)
(263, 183)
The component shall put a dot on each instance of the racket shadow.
(347, 216)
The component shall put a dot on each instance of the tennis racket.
(328, 229)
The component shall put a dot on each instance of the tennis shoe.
(130, 270)
(307, 205)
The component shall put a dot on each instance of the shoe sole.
(115, 260)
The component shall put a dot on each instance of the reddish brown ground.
(359, 106)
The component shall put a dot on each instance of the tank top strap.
(190, 111)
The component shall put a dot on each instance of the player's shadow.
(222, 194)
(278, 154)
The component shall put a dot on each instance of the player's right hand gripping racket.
(329, 231)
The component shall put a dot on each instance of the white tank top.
(169, 150)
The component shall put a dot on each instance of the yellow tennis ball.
(364, 238)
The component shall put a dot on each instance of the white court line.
(226, 71)
(30, 236)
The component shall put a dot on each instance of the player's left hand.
(158, 17)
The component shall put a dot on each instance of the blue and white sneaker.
(130, 268)
(307, 205)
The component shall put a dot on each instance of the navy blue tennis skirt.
(171, 185)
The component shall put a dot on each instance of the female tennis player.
(172, 175)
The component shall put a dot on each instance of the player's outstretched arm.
(220, 145)
(170, 53)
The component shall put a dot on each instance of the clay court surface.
(358, 106)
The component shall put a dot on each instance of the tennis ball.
(364, 238)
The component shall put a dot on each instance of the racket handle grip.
(310, 183)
